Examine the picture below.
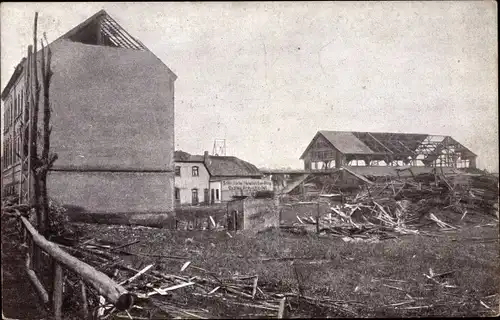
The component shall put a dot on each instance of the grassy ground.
(373, 278)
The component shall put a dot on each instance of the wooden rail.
(105, 286)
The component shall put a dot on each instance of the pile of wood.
(399, 206)
(402, 203)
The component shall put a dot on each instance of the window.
(14, 148)
(216, 194)
(15, 107)
(195, 171)
(18, 111)
(177, 171)
(8, 152)
(19, 146)
(194, 199)
(177, 195)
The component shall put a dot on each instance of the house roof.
(387, 143)
(102, 24)
(219, 166)
(346, 142)
(181, 156)
(17, 72)
(230, 167)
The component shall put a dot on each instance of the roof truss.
(403, 146)
(101, 29)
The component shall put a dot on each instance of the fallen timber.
(401, 206)
(104, 285)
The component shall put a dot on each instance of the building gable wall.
(113, 108)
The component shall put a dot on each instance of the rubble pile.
(403, 206)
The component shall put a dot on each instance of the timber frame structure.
(329, 149)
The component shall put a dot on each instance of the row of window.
(195, 198)
(194, 171)
(328, 154)
(11, 150)
(12, 110)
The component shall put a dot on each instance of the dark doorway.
(206, 196)
(194, 200)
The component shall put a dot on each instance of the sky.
(266, 76)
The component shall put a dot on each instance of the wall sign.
(247, 185)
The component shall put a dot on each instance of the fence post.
(235, 216)
(57, 295)
(281, 310)
(84, 300)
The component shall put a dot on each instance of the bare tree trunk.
(47, 160)
(34, 133)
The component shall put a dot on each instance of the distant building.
(214, 179)
(334, 149)
(349, 158)
(113, 122)
(192, 180)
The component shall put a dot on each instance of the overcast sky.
(268, 76)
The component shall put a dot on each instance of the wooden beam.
(85, 303)
(115, 293)
(379, 142)
(40, 290)
(57, 294)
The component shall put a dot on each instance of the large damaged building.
(334, 149)
(112, 106)
(336, 160)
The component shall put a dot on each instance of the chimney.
(205, 157)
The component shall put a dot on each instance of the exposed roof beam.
(115, 35)
(114, 39)
(119, 35)
(369, 134)
(125, 34)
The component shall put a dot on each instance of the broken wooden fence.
(315, 210)
(60, 262)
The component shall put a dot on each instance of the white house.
(214, 179)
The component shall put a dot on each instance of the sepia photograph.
(249, 160)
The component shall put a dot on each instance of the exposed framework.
(219, 147)
(400, 149)
(101, 29)
(431, 150)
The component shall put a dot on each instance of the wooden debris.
(281, 311)
(136, 275)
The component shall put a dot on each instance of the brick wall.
(112, 192)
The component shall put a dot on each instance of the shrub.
(58, 221)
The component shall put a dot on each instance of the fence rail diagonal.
(114, 293)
